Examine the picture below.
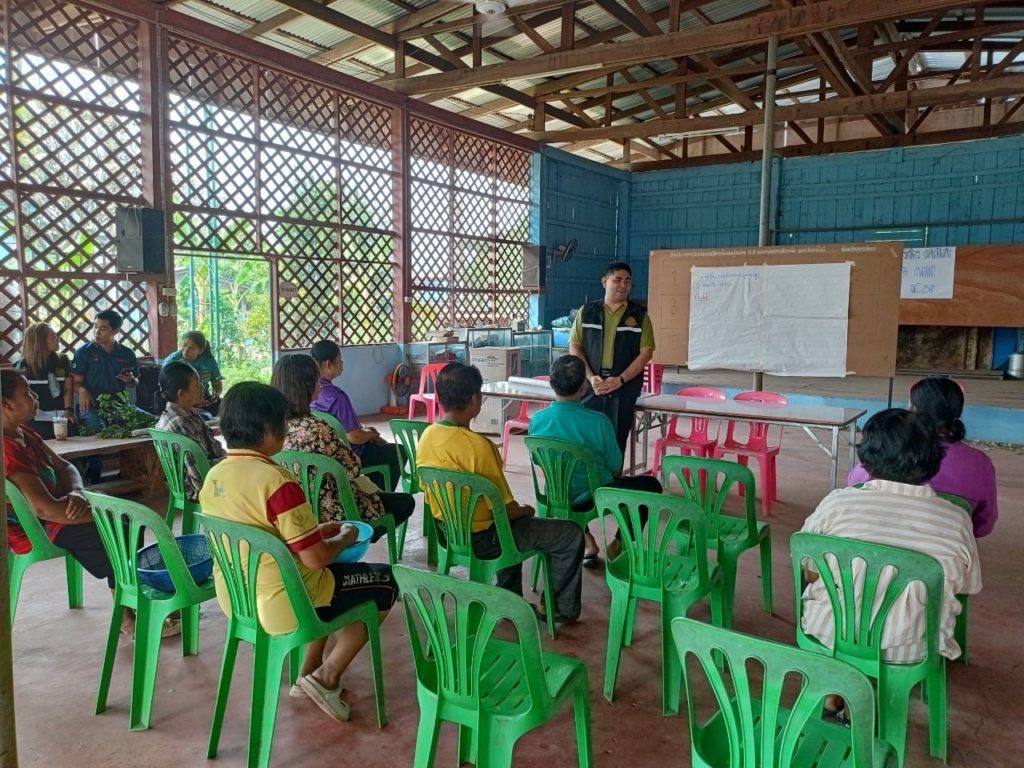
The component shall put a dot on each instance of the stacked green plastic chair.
(494, 690)
(172, 449)
(960, 630)
(239, 551)
(312, 469)
(42, 549)
(121, 524)
(407, 434)
(652, 567)
(553, 463)
(858, 633)
(455, 495)
(747, 731)
(708, 482)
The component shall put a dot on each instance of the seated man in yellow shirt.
(451, 444)
(248, 487)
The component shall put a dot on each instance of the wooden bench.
(140, 468)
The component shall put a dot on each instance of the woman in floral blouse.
(297, 376)
(181, 388)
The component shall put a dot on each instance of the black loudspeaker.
(140, 240)
(534, 263)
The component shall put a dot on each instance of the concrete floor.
(58, 652)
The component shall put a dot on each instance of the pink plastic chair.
(428, 386)
(699, 441)
(762, 443)
(653, 374)
(522, 421)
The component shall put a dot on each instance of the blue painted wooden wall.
(707, 207)
(589, 202)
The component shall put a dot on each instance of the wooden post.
(8, 734)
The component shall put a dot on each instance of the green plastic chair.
(121, 523)
(494, 690)
(239, 551)
(708, 482)
(746, 731)
(382, 469)
(858, 633)
(455, 494)
(42, 549)
(557, 461)
(651, 567)
(960, 629)
(312, 469)
(172, 448)
(407, 433)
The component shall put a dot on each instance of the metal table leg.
(835, 456)
(853, 444)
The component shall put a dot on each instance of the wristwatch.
(622, 381)
(68, 409)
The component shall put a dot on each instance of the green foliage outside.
(236, 294)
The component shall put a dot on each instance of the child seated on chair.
(248, 487)
(181, 388)
(901, 451)
(451, 444)
(567, 419)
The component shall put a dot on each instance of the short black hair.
(325, 351)
(617, 266)
(456, 384)
(250, 412)
(10, 381)
(942, 399)
(113, 318)
(295, 376)
(901, 446)
(567, 375)
(175, 376)
(197, 338)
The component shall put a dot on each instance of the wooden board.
(988, 291)
(874, 296)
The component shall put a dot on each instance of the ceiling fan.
(496, 22)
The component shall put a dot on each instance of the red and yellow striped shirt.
(247, 487)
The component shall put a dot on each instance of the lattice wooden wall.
(69, 79)
(470, 213)
(260, 164)
(302, 175)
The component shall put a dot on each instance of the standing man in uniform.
(615, 339)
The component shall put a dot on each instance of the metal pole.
(768, 147)
(8, 734)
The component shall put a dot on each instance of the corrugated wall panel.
(706, 207)
(580, 200)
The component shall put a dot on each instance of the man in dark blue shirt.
(102, 367)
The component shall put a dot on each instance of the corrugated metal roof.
(308, 37)
(941, 61)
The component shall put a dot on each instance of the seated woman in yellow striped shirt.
(248, 487)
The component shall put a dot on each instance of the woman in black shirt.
(49, 376)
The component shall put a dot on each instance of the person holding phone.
(102, 366)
